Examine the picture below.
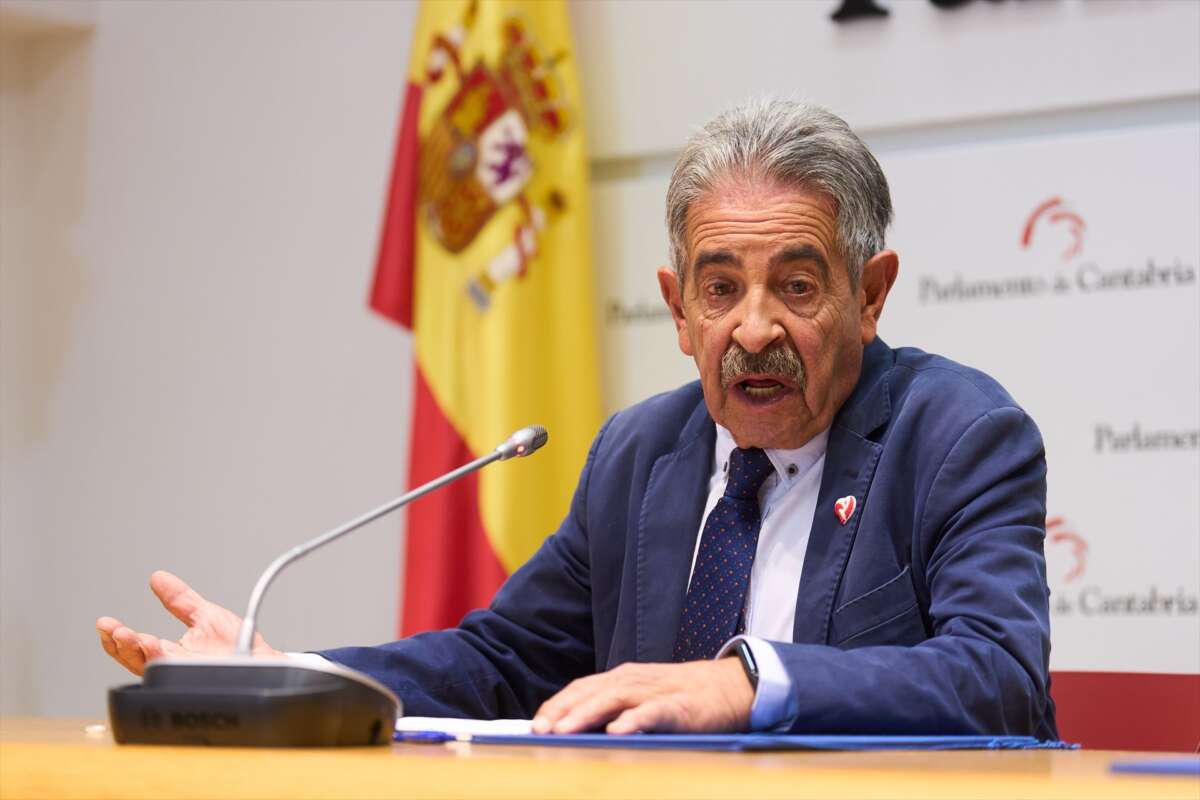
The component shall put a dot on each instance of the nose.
(760, 322)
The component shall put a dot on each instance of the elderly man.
(823, 534)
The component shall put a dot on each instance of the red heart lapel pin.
(844, 508)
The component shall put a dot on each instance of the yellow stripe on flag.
(503, 311)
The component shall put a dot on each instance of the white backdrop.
(1099, 340)
(654, 70)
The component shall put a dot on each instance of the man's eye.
(720, 288)
(798, 287)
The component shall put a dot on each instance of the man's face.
(764, 275)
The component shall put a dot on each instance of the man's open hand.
(694, 697)
(211, 629)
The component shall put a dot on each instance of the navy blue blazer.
(927, 612)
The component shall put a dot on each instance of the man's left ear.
(878, 275)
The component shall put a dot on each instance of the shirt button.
(792, 469)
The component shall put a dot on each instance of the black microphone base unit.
(240, 701)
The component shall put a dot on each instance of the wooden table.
(63, 758)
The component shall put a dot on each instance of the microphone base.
(240, 701)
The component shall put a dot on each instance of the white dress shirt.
(787, 501)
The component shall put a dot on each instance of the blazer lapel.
(849, 466)
(667, 528)
(850, 461)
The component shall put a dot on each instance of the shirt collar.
(790, 465)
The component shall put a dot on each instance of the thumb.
(176, 596)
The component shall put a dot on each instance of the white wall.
(191, 379)
(655, 70)
(16, 551)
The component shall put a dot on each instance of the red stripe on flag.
(450, 567)
(392, 291)
(1128, 710)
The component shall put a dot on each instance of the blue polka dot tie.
(713, 611)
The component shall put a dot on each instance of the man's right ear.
(672, 295)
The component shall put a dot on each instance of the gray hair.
(790, 144)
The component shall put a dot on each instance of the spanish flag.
(485, 256)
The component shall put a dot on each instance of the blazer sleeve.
(985, 668)
(503, 661)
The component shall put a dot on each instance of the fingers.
(128, 648)
(181, 600)
(123, 650)
(589, 704)
(592, 712)
(653, 715)
(592, 701)
(548, 715)
(700, 696)
(131, 649)
(104, 627)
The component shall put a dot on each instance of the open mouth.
(762, 390)
(762, 378)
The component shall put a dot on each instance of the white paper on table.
(473, 727)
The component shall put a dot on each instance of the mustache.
(778, 361)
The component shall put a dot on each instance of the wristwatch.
(746, 656)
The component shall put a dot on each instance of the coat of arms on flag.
(476, 156)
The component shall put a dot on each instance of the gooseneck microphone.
(520, 444)
(240, 700)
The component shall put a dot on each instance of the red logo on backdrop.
(1054, 217)
(1057, 533)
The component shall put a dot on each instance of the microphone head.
(523, 442)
